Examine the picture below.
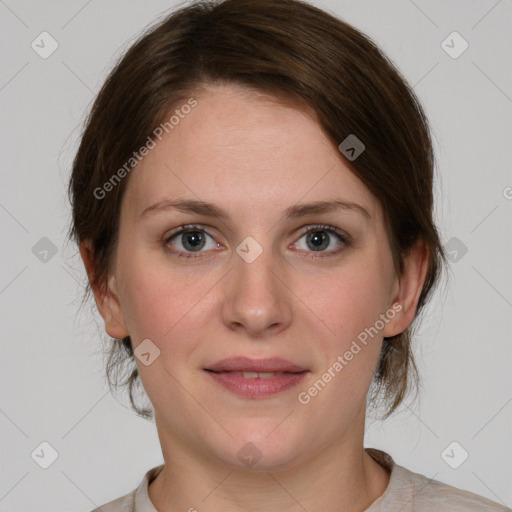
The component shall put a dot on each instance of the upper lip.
(246, 364)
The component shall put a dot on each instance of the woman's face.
(253, 283)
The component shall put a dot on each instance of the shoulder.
(135, 501)
(426, 495)
(413, 492)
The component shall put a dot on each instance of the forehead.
(240, 149)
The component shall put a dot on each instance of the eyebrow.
(293, 212)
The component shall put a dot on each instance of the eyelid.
(343, 238)
(326, 227)
(185, 228)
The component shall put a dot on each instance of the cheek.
(351, 308)
(350, 351)
(159, 301)
(353, 301)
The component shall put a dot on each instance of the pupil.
(318, 238)
(194, 239)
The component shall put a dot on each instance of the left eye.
(192, 239)
(320, 238)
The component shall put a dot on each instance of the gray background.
(51, 372)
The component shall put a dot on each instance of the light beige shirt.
(406, 492)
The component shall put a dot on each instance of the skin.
(255, 157)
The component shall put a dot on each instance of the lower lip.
(257, 387)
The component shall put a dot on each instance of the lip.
(257, 387)
(289, 376)
(246, 364)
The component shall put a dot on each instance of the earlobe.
(106, 297)
(410, 285)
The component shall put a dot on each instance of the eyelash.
(344, 239)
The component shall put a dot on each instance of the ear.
(407, 290)
(106, 297)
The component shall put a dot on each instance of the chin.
(255, 450)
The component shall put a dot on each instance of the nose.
(257, 299)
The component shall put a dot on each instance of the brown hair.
(298, 54)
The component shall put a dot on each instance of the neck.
(342, 477)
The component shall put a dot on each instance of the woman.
(252, 198)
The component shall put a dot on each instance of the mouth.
(256, 378)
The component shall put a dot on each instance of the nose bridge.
(255, 297)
